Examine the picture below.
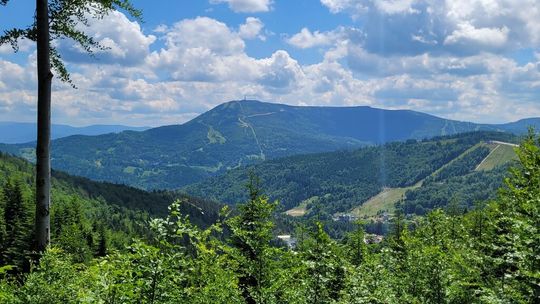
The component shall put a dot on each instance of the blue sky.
(475, 60)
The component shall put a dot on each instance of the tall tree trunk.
(43, 160)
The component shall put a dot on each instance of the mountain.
(239, 133)
(344, 180)
(21, 132)
(519, 126)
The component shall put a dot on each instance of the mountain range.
(22, 132)
(240, 133)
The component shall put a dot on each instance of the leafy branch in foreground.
(65, 20)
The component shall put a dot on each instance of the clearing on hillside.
(384, 201)
(302, 208)
(500, 154)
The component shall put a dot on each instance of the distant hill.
(240, 133)
(21, 132)
(344, 180)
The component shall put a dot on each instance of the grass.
(301, 209)
(297, 211)
(384, 201)
(499, 155)
(214, 137)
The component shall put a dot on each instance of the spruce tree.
(18, 229)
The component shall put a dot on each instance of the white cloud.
(337, 6)
(24, 45)
(395, 6)
(247, 6)
(204, 32)
(307, 39)
(203, 49)
(450, 26)
(124, 40)
(483, 37)
(280, 73)
(251, 29)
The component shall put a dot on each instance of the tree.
(514, 254)
(251, 235)
(55, 20)
(325, 267)
(356, 245)
(18, 230)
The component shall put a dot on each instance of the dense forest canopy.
(339, 181)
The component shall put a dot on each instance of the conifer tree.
(18, 230)
(356, 244)
(251, 236)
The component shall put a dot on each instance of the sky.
(471, 60)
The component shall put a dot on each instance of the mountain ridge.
(12, 132)
(239, 133)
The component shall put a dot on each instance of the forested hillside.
(88, 218)
(339, 181)
(239, 133)
(488, 254)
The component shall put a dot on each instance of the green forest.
(338, 181)
(101, 253)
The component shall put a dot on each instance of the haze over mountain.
(239, 133)
(23, 132)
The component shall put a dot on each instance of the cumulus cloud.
(354, 7)
(418, 26)
(203, 49)
(204, 32)
(280, 73)
(246, 6)
(467, 34)
(124, 41)
(24, 45)
(307, 39)
(395, 6)
(251, 29)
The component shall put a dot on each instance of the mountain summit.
(237, 133)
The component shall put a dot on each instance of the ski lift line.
(252, 130)
(483, 160)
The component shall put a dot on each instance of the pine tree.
(18, 231)
(102, 243)
(55, 20)
(356, 245)
(251, 236)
